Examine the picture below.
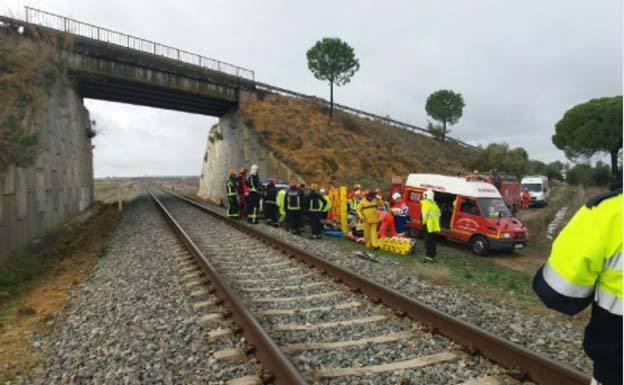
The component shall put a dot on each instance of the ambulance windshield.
(493, 207)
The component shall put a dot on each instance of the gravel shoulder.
(133, 321)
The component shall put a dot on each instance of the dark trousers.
(294, 220)
(430, 243)
(315, 222)
(253, 207)
(232, 210)
(270, 212)
(399, 222)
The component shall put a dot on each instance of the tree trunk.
(614, 164)
(331, 99)
(443, 131)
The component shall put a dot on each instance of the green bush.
(586, 175)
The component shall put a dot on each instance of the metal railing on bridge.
(75, 27)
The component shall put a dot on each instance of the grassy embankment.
(349, 149)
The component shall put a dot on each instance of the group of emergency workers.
(584, 267)
(285, 207)
(379, 220)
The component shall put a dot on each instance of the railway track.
(309, 321)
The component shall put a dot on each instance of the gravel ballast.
(227, 248)
(132, 321)
(540, 332)
(544, 333)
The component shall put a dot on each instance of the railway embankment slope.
(294, 138)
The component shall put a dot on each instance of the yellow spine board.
(343, 210)
(396, 245)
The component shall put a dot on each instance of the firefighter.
(294, 202)
(243, 190)
(430, 219)
(400, 211)
(269, 203)
(526, 195)
(367, 213)
(328, 203)
(585, 266)
(231, 191)
(315, 204)
(281, 205)
(253, 199)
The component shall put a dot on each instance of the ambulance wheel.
(479, 245)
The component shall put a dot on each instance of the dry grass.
(39, 286)
(349, 148)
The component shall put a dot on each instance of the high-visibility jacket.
(253, 183)
(270, 194)
(430, 214)
(328, 204)
(315, 202)
(585, 266)
(231, 187)
(367, 210)
(281, 195)
(294, 200)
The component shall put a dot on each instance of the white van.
(538, 188)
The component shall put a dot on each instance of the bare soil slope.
(348, 149)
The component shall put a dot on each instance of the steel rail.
(522, 363)
(267, 351)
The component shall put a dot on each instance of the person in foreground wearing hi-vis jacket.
(585, 266)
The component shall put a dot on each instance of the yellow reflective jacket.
(328, 204)
(430, 214)
(585, 266)
(281, 194)
(367, 210)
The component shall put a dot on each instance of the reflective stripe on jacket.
(293, 200)
(585, 266)
(316, 203)
(328, 204)
(253, 182)
(430, 213)
(231, 187)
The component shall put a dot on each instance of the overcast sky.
(519, 64)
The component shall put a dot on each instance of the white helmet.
(254, 168)
(429, 194)
(396, 196)
(322, 191)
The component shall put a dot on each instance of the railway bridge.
(118, 67)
